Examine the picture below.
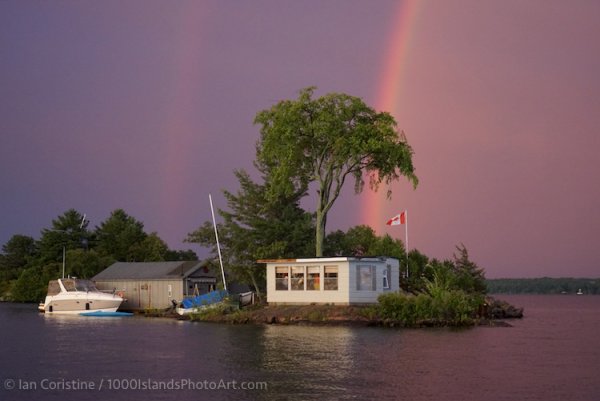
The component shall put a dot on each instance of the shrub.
(445, 307)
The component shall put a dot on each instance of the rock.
(498, 309)
(512, 312)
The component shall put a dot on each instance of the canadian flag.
(397, 219)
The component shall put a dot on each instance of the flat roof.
(326, 260)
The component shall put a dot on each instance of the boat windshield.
(69, 285)
(85, 285)
(79, 285)
(53, 288)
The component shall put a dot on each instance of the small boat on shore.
(75, 296)
(200, 302)
(580, 292)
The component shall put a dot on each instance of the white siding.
(347, 292)
(320, 296)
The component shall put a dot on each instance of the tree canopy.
(26, 264)
(326, 141)
(119, 233)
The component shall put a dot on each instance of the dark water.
(552, 354)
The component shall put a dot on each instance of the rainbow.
(182, 74)
(375, 206)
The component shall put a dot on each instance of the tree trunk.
(322, 209)
(320, 232)
(255, 284)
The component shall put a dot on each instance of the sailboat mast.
(212, 211)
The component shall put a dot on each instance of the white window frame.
(387, 277)
(287, 278)
(327, 281)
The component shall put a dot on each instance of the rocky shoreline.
(499, 309)
(494, 314)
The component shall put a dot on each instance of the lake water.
(551, 354)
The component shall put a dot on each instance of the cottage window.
(313, 280)
(365, 278)
(281, 278)
(297, 281)
(387, 274)
(331, 278)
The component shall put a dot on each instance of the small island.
(365, 291)
(307, 146)
(494, 313)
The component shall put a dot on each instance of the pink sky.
(148, 106)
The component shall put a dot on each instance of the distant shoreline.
(543, 286)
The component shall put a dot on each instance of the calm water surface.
(551, 354)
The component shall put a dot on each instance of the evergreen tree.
(68, 231)
(257, 227)
(470, 277)
(120, 236)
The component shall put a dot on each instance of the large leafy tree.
(33, 282)
(363, 241)
(326, 141)
(16, 254)
(257, 227)
(86, 263)
(151, 249)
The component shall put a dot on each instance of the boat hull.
(186, 311)
(76, 305)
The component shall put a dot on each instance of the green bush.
(446, 307)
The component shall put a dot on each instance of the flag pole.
(406, 236)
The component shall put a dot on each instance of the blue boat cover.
(204, 299)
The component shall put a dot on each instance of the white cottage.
(340, 280)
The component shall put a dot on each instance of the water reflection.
(305, 361)
(542, 357)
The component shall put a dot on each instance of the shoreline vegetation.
(393, 310)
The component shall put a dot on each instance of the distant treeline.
(544, 285)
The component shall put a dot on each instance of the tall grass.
(439, 305)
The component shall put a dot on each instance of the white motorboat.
(75, 296)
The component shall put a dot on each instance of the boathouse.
(340, 280)
(155, 285)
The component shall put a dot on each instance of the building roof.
(328, 260)
(149, 270)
